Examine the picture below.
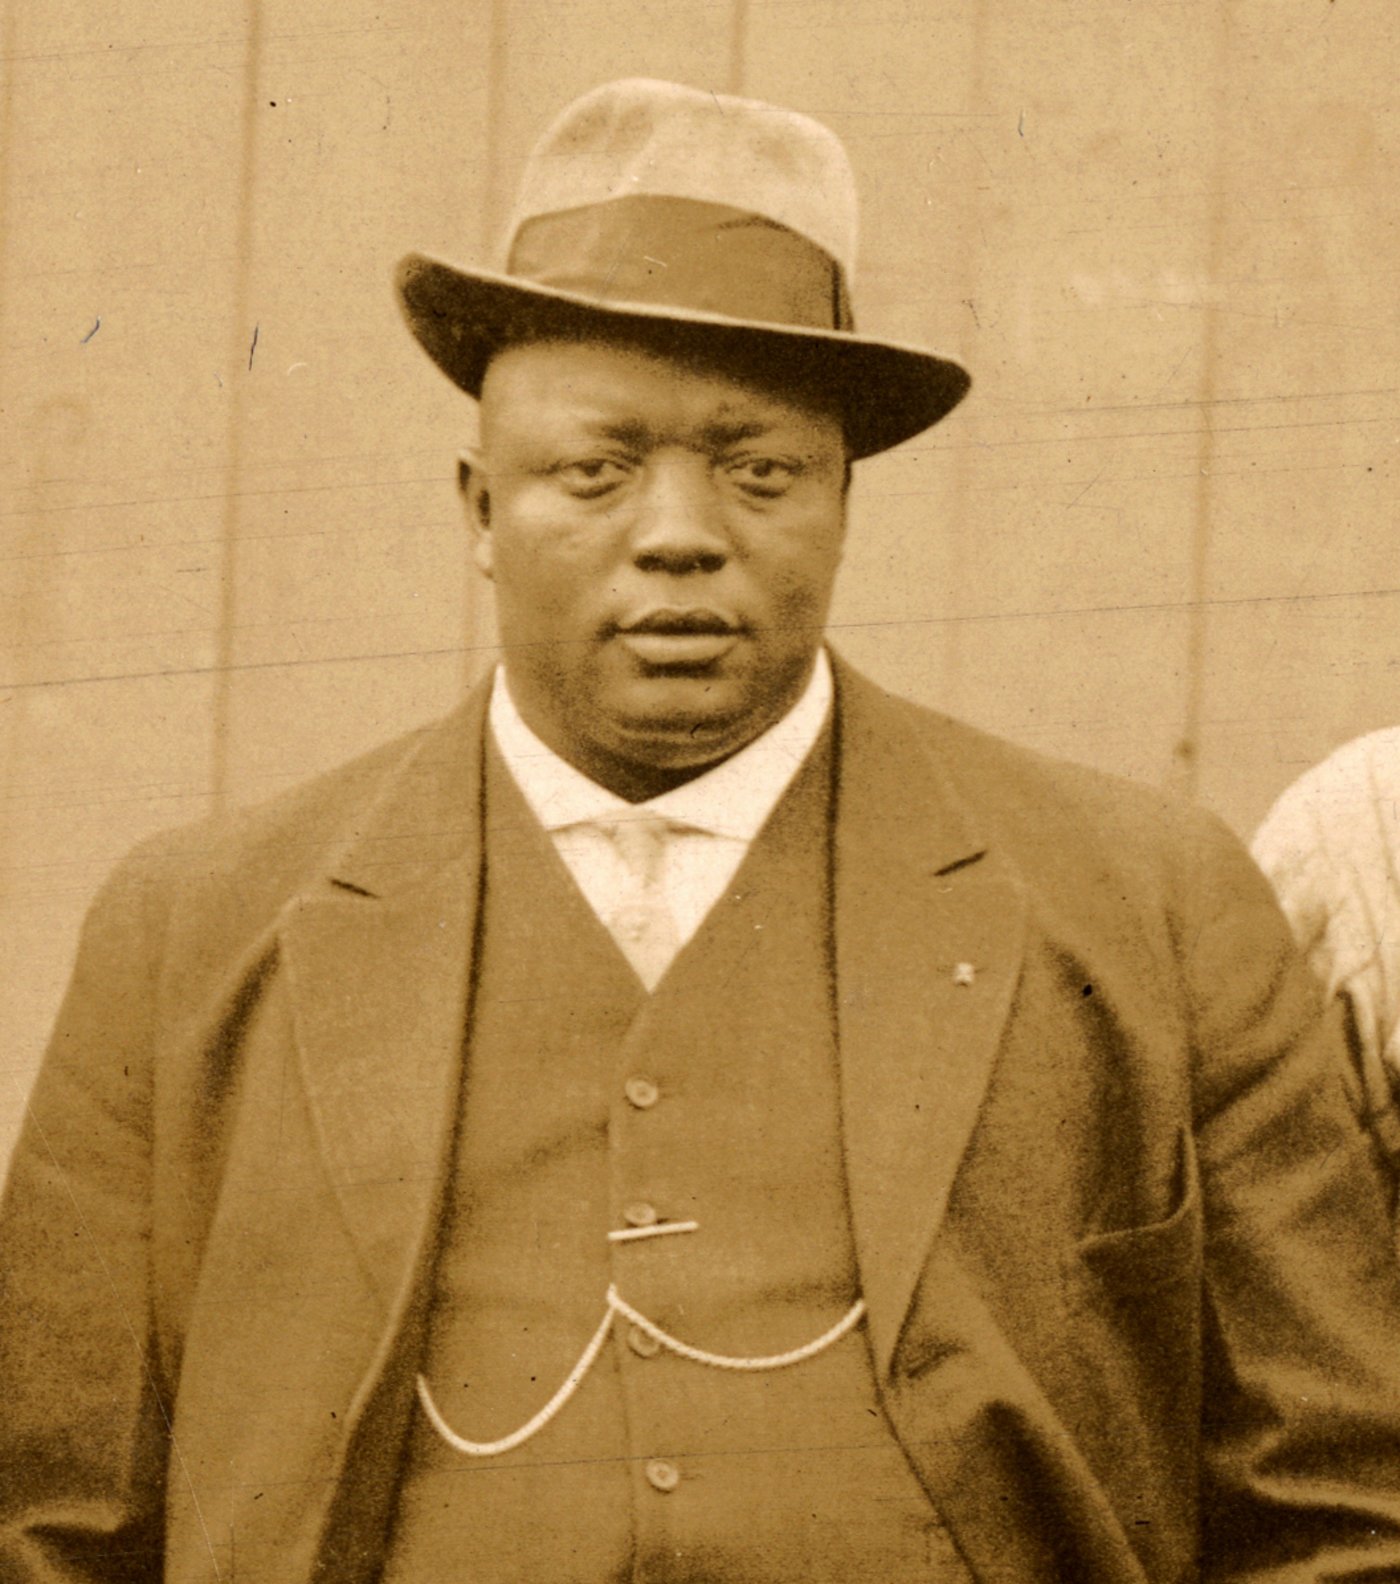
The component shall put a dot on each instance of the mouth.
(680, 639)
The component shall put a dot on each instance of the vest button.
(642, 1343)
(641, 1092)
(640, 1215)
(662, 1476)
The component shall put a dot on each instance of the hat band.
(687, 255)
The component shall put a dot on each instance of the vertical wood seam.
(1185, 771)
(738, 46)
(241, 353)
(475, 614)
(11, 716)
(960, 464)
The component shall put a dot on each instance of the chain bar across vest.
(574, 1379)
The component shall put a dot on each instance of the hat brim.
(886, 392)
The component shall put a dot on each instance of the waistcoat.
(591, 1107)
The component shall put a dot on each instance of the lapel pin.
(964, 974)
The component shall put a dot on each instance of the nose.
(679, 525)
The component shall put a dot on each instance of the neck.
(637, 782)
(635, 764)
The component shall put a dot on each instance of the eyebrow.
(631, 432)
(726, 434)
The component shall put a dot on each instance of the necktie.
(643, 926)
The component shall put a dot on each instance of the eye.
(764, 477)
(589, 477)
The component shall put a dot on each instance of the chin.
(678, 701)
(677, 742)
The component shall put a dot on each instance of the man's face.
(663, 540)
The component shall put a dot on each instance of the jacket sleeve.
(1301, 1477)
(83, 1440)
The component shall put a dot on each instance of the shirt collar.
(734, 799)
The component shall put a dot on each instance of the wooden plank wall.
(1163, 235)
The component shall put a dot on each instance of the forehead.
(607, 382)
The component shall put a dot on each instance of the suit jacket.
(1131, 1297)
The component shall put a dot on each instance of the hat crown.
(642, 136)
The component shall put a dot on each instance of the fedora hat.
(698, 222)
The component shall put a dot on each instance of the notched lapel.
(379, 992)
(929, 938)
(378, 962)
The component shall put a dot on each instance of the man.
(1330, 846)
(691, 1116)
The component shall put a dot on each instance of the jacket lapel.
(929, 934)
(378, 960)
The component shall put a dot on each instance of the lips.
(674, 637)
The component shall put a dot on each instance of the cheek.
(544, 563)
(798, 566)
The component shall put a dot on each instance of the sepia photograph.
(699, 792)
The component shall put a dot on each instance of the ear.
(476, 501)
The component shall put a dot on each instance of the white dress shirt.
(710, 821)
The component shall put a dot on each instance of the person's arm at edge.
(83, 1432)
(1301, 1285)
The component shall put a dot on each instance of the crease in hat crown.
(729, 222)
(641, 136)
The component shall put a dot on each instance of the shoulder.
(1331, 847)
(1051, 813)
(237, 868)
(1330, 843)
(290, 832)
(1350, 799)
(1154, 894)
